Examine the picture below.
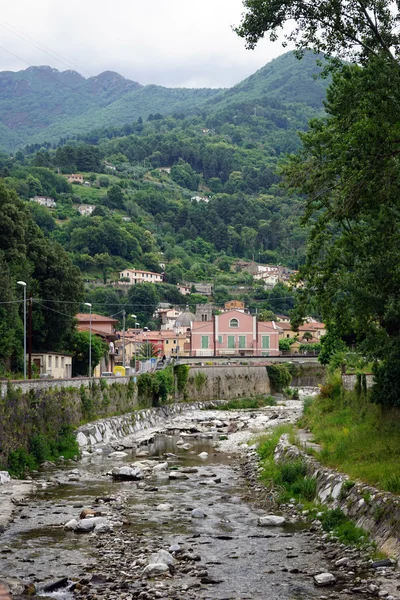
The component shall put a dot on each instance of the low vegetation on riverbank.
(247, 403)
(288, 481)
(357, 437)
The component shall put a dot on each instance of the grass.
(247, 403)
(357, 437)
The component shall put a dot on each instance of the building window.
(56, 362)
(265, 342)
(231, 341)
(62, 362)
(242, 341)
(174, 341)
(220, 339)
(49, 361)
(233, 323)
(204, 342)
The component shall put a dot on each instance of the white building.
(44, 201)
(135, 276)
(86, 209)
(53, 364)
(200, 198)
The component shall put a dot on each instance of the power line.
(55, 78)
(29, 40)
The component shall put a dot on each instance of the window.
(174, 341)
(62, 362)
(204, 342)
(242, 341)
(231, 341)
(233, 323)
(49, 361)
(56, 362)
(265, 342)
(220, 339)
(166, 341)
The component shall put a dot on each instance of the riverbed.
(193, 502)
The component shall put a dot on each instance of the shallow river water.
(248, 561)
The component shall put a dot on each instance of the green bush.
(199, 380)
(279, 376)
(247, 403)
(181, 373)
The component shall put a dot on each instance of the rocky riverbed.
(178, 513)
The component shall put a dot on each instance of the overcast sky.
(186, 43)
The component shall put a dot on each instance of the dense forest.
(184, 194)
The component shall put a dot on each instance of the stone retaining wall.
(349, 381)
(375, 511)
(48, 384)
(105, 431)
(227, 382)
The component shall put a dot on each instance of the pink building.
(234, 333)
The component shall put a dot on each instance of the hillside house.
(314, 329)
(74, 178)
(234, 333)
(44, 201)
(53, 364)
(234, 305)
(183, 289)
(134, 276)
(86, 209)
(206, 289)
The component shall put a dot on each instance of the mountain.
(41, 104)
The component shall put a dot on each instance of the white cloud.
(186, 43)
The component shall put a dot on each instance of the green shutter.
(231, 341)
(220, 339)
(265, 342)
(204, 342)
(242, 341)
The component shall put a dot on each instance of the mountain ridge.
(42, 104)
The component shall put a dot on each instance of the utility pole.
(123, 338)
(30, 336)
(24, 286)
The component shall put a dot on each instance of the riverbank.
(193, 505)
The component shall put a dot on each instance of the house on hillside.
(183, 289)
(134, 276)
(206, 289)
(103, 327)
(86, 209)
(53, 364)
(44, 201)
(74, 178)
(311, 332)
(234, 305)
(234, 333)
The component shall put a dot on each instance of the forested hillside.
(187, 194)
(41, 104)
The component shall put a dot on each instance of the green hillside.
(41, 104)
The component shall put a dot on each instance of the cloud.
(167, 42)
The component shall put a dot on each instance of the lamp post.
(134, 341)
(123, 338)
(24, 286)
(90, 338)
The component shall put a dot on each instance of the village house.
(134, 276)
(74, 178)
(86, 209)
(103, 327)
(168, 318)
(164, 170)
(206, 289)
(53, 364)
(205, 199)
(165, 343)
(44, 201)
(183, 289)
(309, 332)
(234, 305)
(234, 333)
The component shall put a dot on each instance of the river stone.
(86, 525)
(71, 525)
(162, 556)
(271, 521)
(81, 439)
(126, 473)
(186, 446)
(324, 579)
(155, 569)
(165, 506)
(161, 467)
(118, 454)
(4, 477)
(101, 528)
(203, 455)
(198, 514)
(175, 548)
(178, 475)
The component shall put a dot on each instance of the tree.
(266, 315)
(104, 181)
(148, 350)
(79, 346)
(143, 299)
(114, 198)
(350, 29)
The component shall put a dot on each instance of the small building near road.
(86, 209)
(53, 364)
(44, 201)
(134, 276)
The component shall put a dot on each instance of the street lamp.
(134, 341)
(24, 286)
(90, 338)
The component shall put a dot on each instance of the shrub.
(181, 373)
(279, 377)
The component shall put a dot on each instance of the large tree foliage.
(55, 284)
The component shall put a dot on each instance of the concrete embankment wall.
(375, 511)
(36, 412)
(226, 382)
(307, 374)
